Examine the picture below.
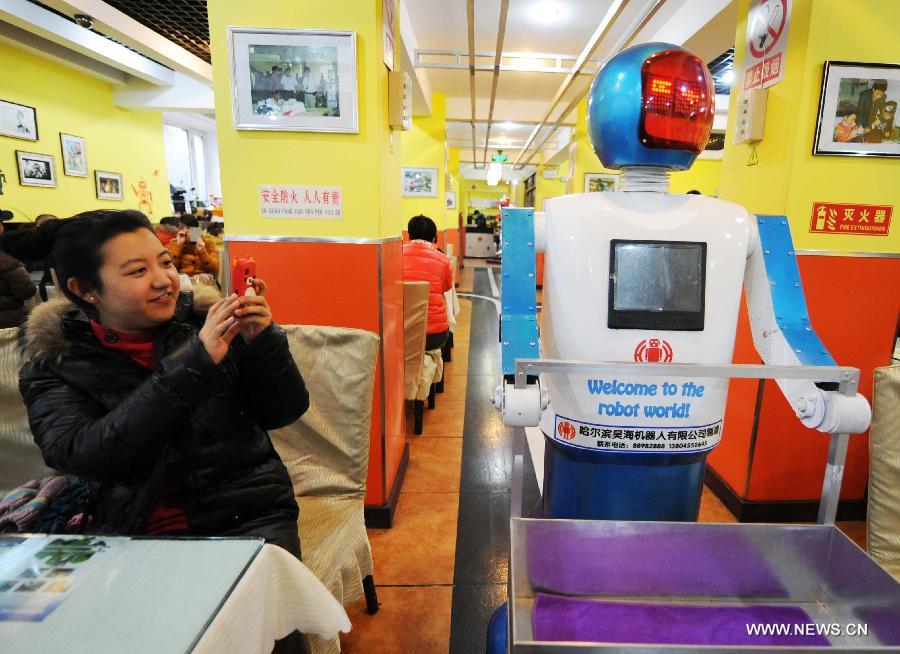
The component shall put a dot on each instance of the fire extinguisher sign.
(851, 219)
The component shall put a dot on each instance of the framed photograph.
(857, 110)
(74, 155)
(387, 15)
(109, 185)
(36, 169)
(295, 80)
(450, 199)
(418, 182)
(18, 121)
(598, 182)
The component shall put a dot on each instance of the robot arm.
(783, 335)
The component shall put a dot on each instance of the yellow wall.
(704, 176)
(478, 189)
(118, 140)
(548, 188)
(788, 178)
(452, 215)
(423, 147)
(365, 165)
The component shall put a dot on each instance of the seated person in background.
(15, 287)
(423, 262)
(192, 254)
(215, 231)
(167, 229)
(160, 399)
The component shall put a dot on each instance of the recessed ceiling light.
(727, 77)
(545, 12)
(509, 125)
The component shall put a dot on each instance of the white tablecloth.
(275, 596)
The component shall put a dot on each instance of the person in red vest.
(423, 262)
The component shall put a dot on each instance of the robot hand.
(834, 413)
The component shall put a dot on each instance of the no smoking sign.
(767, 32)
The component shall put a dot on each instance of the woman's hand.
(201, 246)
(253, 314)
(220, 328)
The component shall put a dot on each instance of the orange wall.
(320, 283)
(854, 306)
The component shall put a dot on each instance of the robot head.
(651, 105)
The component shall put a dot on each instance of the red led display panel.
(678, 102)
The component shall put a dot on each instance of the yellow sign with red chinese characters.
(851, 219)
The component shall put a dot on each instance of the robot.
(642, 275)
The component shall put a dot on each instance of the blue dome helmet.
(651, 105)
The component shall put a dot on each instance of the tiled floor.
(441, 569)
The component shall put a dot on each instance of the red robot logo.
(653, 350)
(566, 430)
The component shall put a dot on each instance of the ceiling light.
(494, 173)
(509, 125)
(546, 12)
(727, 77)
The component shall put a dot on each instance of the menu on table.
(37, 573)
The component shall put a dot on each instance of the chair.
(883, 515)
(20, 458)
(326, 453)
(419, 369)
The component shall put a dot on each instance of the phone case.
(243, 270)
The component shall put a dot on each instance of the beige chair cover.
(415, 326)
(883, 516)
(20, 458)
(326, 453)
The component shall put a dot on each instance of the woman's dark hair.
(215, 228)
(422, 228)
(74, 245)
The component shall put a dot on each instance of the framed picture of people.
(295, 80)
(599, 182)
(109, 185)
(418, 182)
(36, 169)
(857, 110)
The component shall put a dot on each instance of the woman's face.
(140, 283)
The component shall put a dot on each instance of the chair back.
(326, 451)
(415, 328)
(20, 458)
(883, 515)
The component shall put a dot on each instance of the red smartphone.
(242, 273)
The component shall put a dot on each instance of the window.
(186, 161)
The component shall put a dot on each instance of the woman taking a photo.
(159, 399)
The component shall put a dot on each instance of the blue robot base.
(581, 484)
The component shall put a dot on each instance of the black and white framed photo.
(295, 80)
(857, 110)
(18, 121)
(36, 169)
(601, 182)
(109, 185)
(418, 182)
(74, 155)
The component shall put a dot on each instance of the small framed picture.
(451, 199)
(599, 182)
(18, 121)
(109, 185)
(418, 182)
(36, 169)
(74, 155)
(858, 109)
(295, 80)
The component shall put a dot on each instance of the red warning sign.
(852, 219)
(767, 32)
(566, 430)
(653, 350)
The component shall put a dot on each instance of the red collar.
(137, 347)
